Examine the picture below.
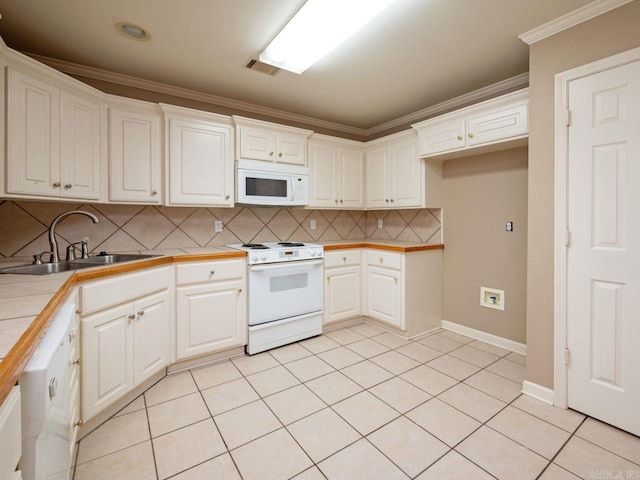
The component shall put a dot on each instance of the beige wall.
(606, 35)
(481, 194)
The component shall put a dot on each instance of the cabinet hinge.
(567, 118)
(566, 356)
(567, 238)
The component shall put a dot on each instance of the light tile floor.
(356, 403)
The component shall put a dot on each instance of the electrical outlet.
(379, 223)
(217, 226)
(509, 227)
(313, 224)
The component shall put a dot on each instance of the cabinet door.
(442, 137)
(200, 163)
(150, 336)
(291, 149)
(498, 124)
(342, 295)
(257, 144)
(33, 136)
(81, 133)
(377, 165)
(384, 299)
(210, 318)
(322, 173)
(107, 350)
(406, 176)
(351, 179)
(134, 156)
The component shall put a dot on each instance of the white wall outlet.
(379, 223)
(313, 224)
(217, 226)
(492, 298)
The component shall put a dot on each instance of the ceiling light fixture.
(317, 28)
(134, 32)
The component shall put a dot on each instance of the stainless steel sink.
(96, 261)
(112, 258)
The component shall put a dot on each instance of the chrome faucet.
(53, 244)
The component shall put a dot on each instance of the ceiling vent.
(258, 66)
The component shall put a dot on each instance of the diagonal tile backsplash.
(139, 227)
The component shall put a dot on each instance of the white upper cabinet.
(135, 152)
(53, 139)
(258, 140)
(336, 173)
(199, 154)
(395, 173)
(492, 125)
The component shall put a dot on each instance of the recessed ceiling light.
(132, 31)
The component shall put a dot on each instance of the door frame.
(562, 82)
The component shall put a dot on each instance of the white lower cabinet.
(342, 294)
(124, 345)
(211, 307)
(384, 295)
(10, 434)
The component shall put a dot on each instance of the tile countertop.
(29, 302)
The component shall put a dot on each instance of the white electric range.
(285, 292)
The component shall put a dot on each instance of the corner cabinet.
(336, 173)
(125, 323)
(495, 124)
(257, 140)
(396, 177)
(135, 152)
(199, 151)
(211, 307)
(53, 138)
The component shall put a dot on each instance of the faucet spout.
(55, 255)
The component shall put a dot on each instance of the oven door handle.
(262, 268)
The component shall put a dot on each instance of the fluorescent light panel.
(317, 28)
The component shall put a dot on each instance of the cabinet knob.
(471, 135)
(344, 259)
(336, 200)
(77, 362)
(68, 186)
(239, 290)
(392, 200)
(212, 272)
(280, 155)
(329, 279)
(386, 200)
(381, 259)
(131, 317)
(395, 279)
(459, 137)
(154, 193)
(227, 197)
(340, 201)
(56, 185)
(141, 313)
(271, 154)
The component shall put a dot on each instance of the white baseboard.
(538, 392)
(501, 342)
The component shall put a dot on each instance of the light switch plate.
(313, 224)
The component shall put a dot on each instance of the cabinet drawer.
(210, 271)
(10, 433)
(381, 258)
(120, 289)
(341, 258)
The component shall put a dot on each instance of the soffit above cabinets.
(419, 53)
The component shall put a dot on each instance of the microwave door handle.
(291, 189)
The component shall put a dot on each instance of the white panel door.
(107, 349)
(603, 279)
(377, 181)
(81, 132)
(257, 144)
(210, 318)
(150, 336)
(33, 136)
(291, 149)
(498, 124)
(442, 137)
(200, 163)
(351, 179)
(342, 295)
(384, 298)
(134, 156)
(322, 173)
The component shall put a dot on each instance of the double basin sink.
(95, 261)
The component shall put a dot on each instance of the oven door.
(284, 290)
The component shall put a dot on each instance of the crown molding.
(519, 81)
(571, 19)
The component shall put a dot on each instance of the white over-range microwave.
(275, 184)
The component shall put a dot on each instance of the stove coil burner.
(255, 246)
